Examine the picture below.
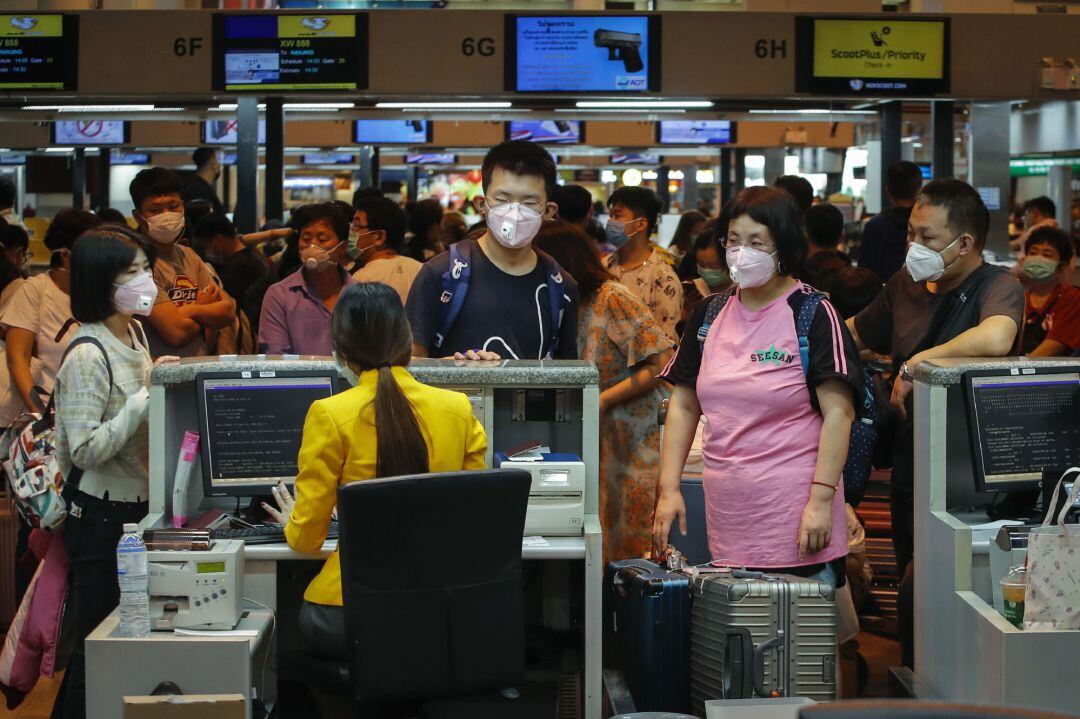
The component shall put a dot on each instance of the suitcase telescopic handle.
(759, 667)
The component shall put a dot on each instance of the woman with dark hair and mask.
(387, 425)
(777, 436)
(102, 436)
(295, 313)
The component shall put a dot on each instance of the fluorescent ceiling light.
(813, 111)
(59, 149)
(671, 111)
(642, 104)
(102, 108)
(443, 105)
(315, 105)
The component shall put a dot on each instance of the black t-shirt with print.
(898, 320)
(827, 335)
(506, 314)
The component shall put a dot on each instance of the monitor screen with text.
(252, 427)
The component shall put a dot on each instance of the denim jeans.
(90, 539)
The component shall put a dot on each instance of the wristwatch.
(905, 372)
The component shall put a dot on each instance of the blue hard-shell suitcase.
(695, 545)
(647, 627)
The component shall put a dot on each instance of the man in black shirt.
(884, 237)
(238, 266)
(497, 297)
(824, 225)
(201, 187)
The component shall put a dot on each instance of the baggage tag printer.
(557, 494)
(197, 589)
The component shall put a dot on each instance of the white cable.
(504, 343)
(269, 648)
(540, 319)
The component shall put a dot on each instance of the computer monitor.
(251, 425)
(1022, 422)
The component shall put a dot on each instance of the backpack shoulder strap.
(556, 297)
(716, 304)
(803, 321)
(455, 282)
(84, 340)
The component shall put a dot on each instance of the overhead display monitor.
(392, 132)
(39, 52)
(636, 158)
(225, 132)
(90, 132)
(120, 157)
(561, 132)
(328, 158)
(695, 132)
(431, 158)
(583, 53)
(262, 51)
(881, 56)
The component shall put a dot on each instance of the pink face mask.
(750, 267)
(512, 225)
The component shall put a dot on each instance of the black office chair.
(910, 709)
(432, 591)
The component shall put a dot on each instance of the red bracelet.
(822, 484)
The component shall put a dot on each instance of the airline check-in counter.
(987, 431)
(244, 430)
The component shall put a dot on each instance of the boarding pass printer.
(197, 589)
(557, 494)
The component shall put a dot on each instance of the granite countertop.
(439, 372)
(944, 372)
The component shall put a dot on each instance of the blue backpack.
(455, 283)
(863, 430)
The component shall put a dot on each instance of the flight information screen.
(290, 52)
(583, 53)
(39, 52)
(1023, 425)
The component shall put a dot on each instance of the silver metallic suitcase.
(754, 634)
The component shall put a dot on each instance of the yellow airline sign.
(884, 49)
(31, 25)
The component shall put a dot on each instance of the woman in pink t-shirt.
(776, 438)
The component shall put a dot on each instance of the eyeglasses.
(534, 205)
(730, 243)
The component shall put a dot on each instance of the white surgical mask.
(136, 296)
(750, 267)
(165, 227)
(924, 264)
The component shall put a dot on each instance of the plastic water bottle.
(131, 571)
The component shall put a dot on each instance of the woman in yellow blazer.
(387, 425)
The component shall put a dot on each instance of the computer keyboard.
(262, 533)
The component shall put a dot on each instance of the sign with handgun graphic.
(583, 53)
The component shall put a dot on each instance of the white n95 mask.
(136, 296)
(924, 264)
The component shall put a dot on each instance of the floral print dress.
(616, 331)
